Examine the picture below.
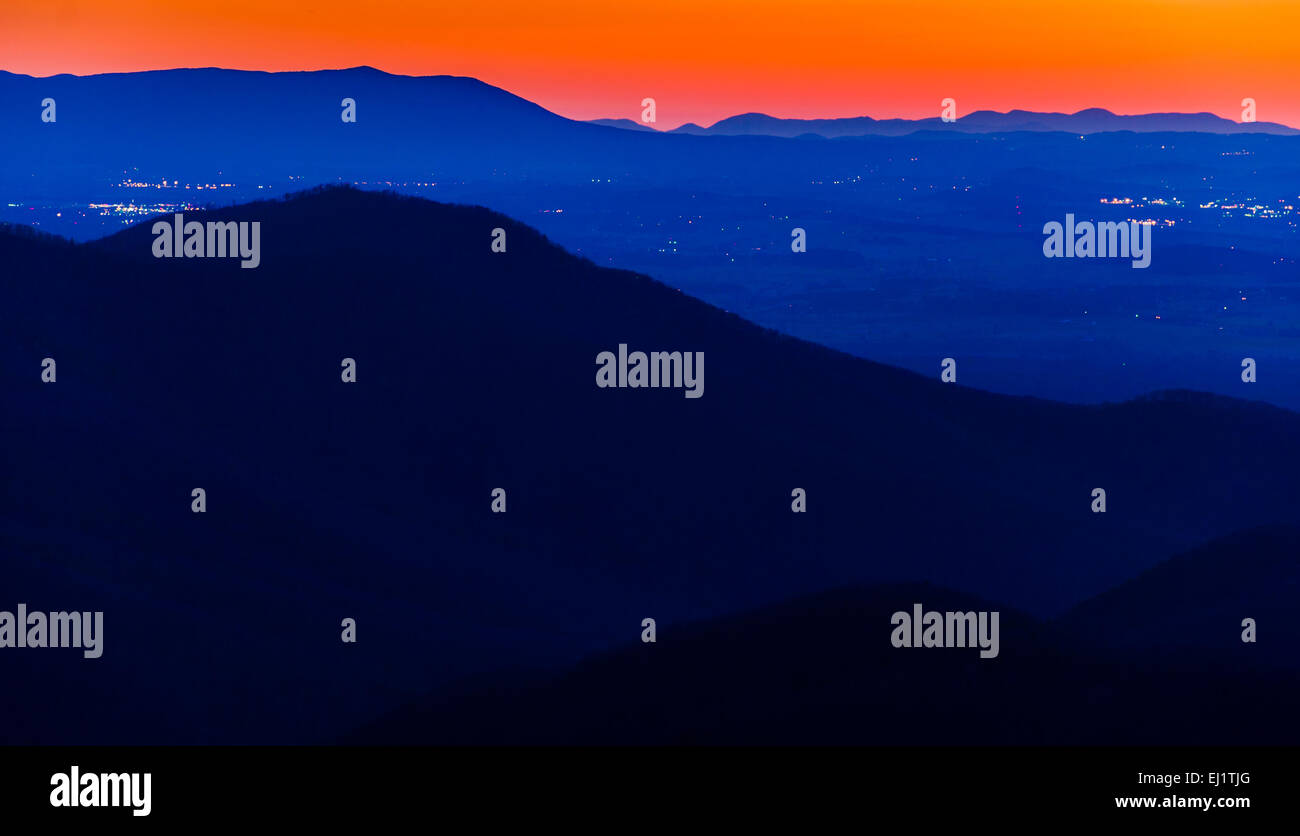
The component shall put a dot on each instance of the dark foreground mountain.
(821, 670)
(1193, 605)
(475, 371)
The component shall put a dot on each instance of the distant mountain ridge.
(213, 125)
(1088, 121)
(625, 124)
(262, 127)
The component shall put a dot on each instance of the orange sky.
(706, 59)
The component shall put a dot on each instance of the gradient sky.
(703, 60)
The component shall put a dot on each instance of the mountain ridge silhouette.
(820, 670)
(1087, 121)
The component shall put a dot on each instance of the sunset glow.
(703, 60)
